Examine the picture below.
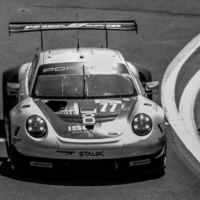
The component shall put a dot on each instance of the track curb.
(168, 98)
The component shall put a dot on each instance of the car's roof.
(99, 55)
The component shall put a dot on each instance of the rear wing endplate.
(18, 27)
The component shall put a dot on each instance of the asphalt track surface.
(160, 38)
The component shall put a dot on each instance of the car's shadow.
(2, 129)
(6, 171)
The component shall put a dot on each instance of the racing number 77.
(105, 106)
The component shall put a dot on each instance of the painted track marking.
(186, 106)
(168, 97)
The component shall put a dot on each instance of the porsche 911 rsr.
(82, 110)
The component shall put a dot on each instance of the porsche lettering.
(102, 101)
(60, 69)
(57, 69)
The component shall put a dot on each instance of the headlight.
(36, 126)
(141, 124)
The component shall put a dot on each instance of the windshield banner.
(79, 68)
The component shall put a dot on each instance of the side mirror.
(152, 87)
(13, 89)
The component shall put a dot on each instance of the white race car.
(82, 110)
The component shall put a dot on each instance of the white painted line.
(168, 95)
(186, 106)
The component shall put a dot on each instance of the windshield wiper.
(84, 83)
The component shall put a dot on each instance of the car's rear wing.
(18, 27)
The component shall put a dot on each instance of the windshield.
(76, 85)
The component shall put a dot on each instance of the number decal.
(114, 105)
(88, 119)
(105, 105)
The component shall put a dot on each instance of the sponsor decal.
(87, 154)
(113, 134)
(71, 109)
(77, 128)
(147, 104)
(126, 99)
(79, 134)
(41, 164)
(74, 25)
(139, 162)
(107, 101)
(67, 153)
(26, 106)
(88, 111)
(68, 112)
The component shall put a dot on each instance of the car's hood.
(88, 118)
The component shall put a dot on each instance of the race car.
(82, 110)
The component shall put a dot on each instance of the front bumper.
(47, 166)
